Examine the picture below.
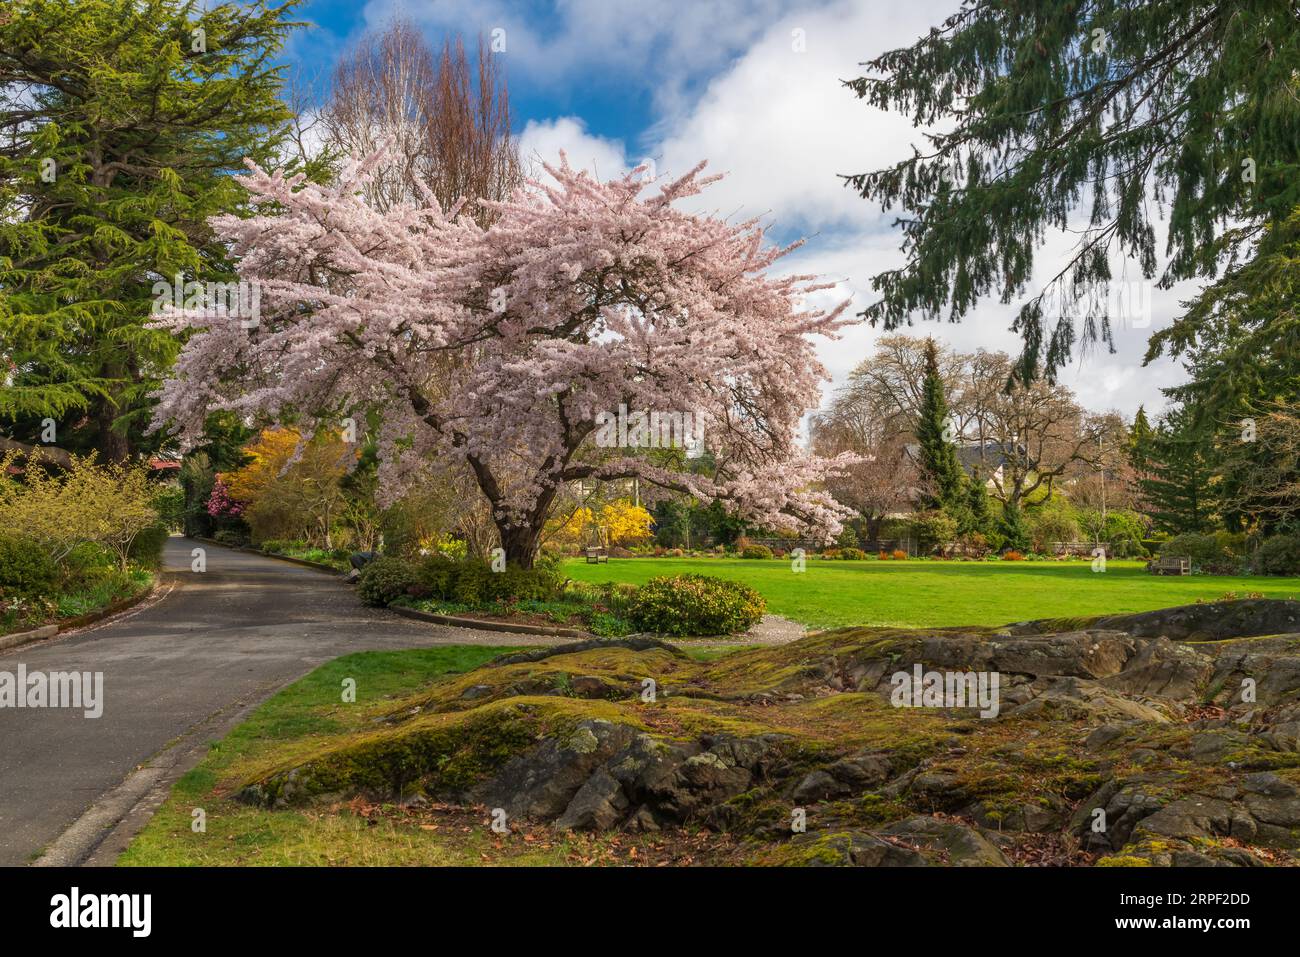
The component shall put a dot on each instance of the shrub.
(852, 554)
(85, 502)
(1234, 543)
(1278, 555)
(830, 553)
(1050, 525)
(147, 547)
(1205, 551)
(1013, 556)
(933, 528)
(474, 582)
(526, 584)
(385, 579)
(974, 545)
(847, 538)
(281, 546)
(756, 551)
(695, 605)
(436, 576)
(899, 555)
(85, 566)
(230, 536)
(1124, 530)
(26, 570)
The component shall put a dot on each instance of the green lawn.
(920, 593)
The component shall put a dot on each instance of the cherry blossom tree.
(501, 347)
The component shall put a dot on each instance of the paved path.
(216, 641)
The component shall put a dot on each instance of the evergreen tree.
(1140, 433)
(938, 454)
(122, 123)
(1127, 111)
(1175, 463)
(976, 517)
(1012, 527)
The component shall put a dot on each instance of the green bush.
(25, 570)
(933, 528)
(1204, 550)
(1234, 543)
(1124, 530)
(147, 547)
(852, 554)
(230, 536)
(695, 605)
(1048, 525)
(384, 580)
(282, 546)
(756, 551)
(435, 576)
(1278, 555)
(86, 566)
(473, 583)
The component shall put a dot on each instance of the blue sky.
(755, 88)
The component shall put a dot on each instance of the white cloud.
(541, 142)
(782, 126)
(667, 44)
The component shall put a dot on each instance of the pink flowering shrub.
(220, 504)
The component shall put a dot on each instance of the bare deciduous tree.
(888, 479)
(446, 121)
(1035, 433)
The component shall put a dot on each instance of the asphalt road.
(234, 633)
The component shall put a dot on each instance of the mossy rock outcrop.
(1113, 742)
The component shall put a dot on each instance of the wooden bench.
(597, 555)
(1170, 566)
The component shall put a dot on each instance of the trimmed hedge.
(25, 570)
(756, 551)
(683, 605)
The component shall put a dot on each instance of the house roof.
(988, 455)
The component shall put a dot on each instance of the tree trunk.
(112, 445)
(521, 545)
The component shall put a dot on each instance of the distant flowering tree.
(500, 348)
(220, 504)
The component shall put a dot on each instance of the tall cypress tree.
(122, 122)
(938, 455)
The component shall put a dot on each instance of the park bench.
(1171, 565)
